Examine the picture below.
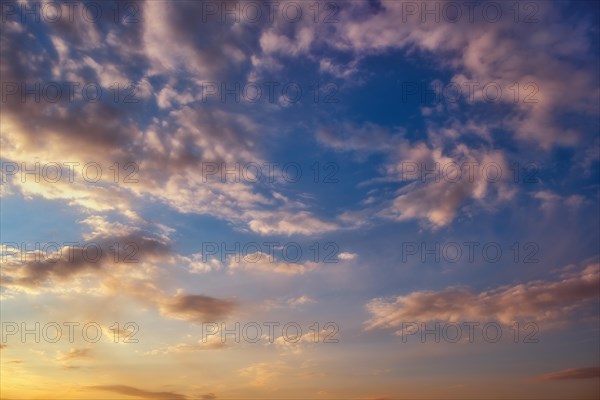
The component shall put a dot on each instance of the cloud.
(438, 180)
(338, 70)
(347, 256)
(271, 42)
(486, 52)
(288, 302)
(535, 300)
(263, 374)
(58, 263)
(101, 227)
(296, 346)
(262, 262)
(133, 268)
(297, 301)
(66, 359)
(196, 308)
(552, 201)
(368, 137)
(75, 354)
(34, 272)
(215, 48)
(170, 147)
(463, 175)
(288, 223)
(213, 342)
(140, 393)
(571, 374)
(196, 265)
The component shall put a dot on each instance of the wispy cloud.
(139, 393)
(536, 300)
(570, 374)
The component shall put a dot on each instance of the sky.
(360, 200)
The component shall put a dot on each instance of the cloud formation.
(571, 374)
(535, 300)
(196, 308)
(139, 393)
(438, 180)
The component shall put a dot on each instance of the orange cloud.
(571, 373)
(538, 300)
